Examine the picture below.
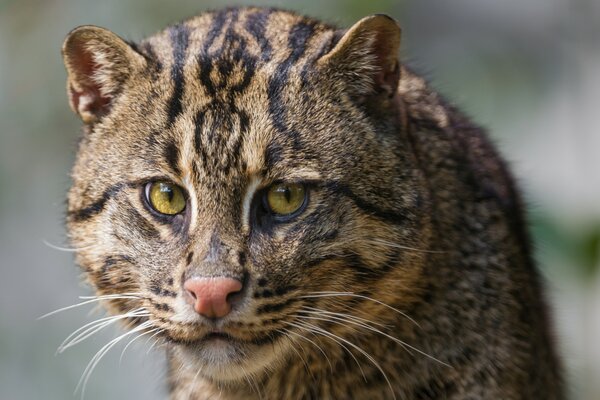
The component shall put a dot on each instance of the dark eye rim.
(145, 194)
(281, 218)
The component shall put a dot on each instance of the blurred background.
(528, 70)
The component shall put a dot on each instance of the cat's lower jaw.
(225, 360)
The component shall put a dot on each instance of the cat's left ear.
(366, 56)
(98, 64)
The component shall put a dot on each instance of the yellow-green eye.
(286, 198)
(166, 197)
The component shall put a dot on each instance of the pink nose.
(209, 295)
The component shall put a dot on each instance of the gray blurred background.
(528, 70)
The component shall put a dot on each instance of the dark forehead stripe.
(179, 36)
(151, 55)
(172, 155)
(298, 39)
(256, 25)
(325, 46)
(218, 143)
(205, 64)
(205, 60)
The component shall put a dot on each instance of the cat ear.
(98, 63)
(367, 56)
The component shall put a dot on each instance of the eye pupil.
(284, 199)
(165, 198)
(168, 191)
(288, 194)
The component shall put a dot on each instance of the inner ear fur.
(367, 56)
(98, 63)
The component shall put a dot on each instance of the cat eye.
(285, 199)
(165, 197)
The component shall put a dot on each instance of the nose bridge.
(218, 203)
(216, 253)
(217, 244)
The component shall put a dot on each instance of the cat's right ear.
(366, 56)
(98, 63)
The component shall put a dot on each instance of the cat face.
(240, 173)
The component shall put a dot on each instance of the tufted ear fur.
(366, 56)
(98, 63)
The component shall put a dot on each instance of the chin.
(226, 360)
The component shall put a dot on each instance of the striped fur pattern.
(408, 275)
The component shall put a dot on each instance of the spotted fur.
(409, 274)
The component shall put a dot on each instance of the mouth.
(221, 356)
(215, 337)
(207, 339)
(214, 347)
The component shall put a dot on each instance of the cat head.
(240, 174)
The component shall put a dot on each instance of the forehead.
(227, 86)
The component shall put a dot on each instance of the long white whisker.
(252, 382)
(303, 325)
(342, 315)
(405, 345)
(313, 343)
(98, 356)
(133, 313)
(68, 249)
(360, 296)
(133, 340)
(93, 327)
(345, 321)
(156, 341)
(399, 246)
(87, 328)
(364, 353)
(90, 299)
(193, 385)
(114, 295)
(303, 359)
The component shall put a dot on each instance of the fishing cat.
(297, 215)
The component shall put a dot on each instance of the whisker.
(114, 295)
(360, 296)
(343, 315)
(303, 359)
(252, 382)
(302, 325)
(133, 340)
(156, 341)
(193, 385)
(343, 321)
(100, 354)
(67, 249)
(363, 352)
(403, 247)
(405, 345)
(85, 329)
(93, 327)
(313, 343)
(91, 299)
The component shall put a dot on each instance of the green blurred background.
(528, 70)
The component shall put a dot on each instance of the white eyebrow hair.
(247, 202)
(187, 155)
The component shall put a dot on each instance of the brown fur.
(410, 207)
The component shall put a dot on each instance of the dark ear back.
(367, 56)
(98, 62)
